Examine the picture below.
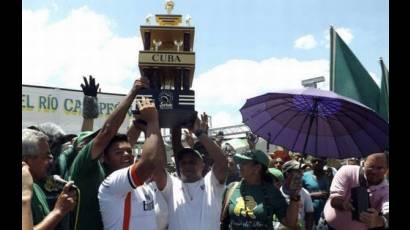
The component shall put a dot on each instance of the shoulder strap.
(127, 212)
(225, 202)
(362, 180)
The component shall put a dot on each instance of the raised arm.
(90, 104)
(140, 125)
(145, 167)
(115, 119)
(137, 127)
(159, 175)
(220, 167)
(176, 140)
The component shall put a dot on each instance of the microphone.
(61, 181)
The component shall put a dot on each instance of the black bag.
(360, 197)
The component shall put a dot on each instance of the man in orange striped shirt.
(125, 201)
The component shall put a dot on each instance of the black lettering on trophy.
(167, 58)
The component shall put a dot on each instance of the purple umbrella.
(316, 122)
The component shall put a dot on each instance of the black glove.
(90, 89)
(90, 101)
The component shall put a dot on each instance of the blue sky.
(243, 48)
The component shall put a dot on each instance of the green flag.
(384, 93)
(348, 77)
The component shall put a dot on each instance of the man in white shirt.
(126, 202)
(305, 218)
(195, 202)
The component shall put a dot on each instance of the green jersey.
(64, 161)
(87, 174)
(39, 206)
(252, 207)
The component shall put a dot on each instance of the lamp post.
(312, 82)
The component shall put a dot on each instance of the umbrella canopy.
(316, 122)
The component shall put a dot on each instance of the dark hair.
(119, 137)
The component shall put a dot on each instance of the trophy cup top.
(168, 29)
(168, 19)
(169, 6)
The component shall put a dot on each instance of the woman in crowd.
(251, 203)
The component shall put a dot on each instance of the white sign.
(64, 108)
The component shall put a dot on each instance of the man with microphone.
(36, 154)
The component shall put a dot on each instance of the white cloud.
(59, 53)
(226, 87)
(345, 33)
(306, 42)
(225, 118)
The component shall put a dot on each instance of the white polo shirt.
(194, 205)
(112, 195)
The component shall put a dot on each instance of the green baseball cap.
(85, 135)
(252, 155)
(277, 173)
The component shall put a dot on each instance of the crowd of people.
(93, 180)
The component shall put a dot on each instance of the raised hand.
(200, 124)
(141, 83)
(189, 138)
(204, 122)
(89, 88)
(147, 110)
(27, 182)
(66, 201)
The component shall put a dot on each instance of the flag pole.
(332, 58)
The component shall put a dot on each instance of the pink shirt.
(346, 178)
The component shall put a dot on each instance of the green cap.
(84, 135)
(277, 173)
(252, 155)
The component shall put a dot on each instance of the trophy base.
(176, 118)
(175, 108)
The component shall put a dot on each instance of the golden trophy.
(168, 61)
